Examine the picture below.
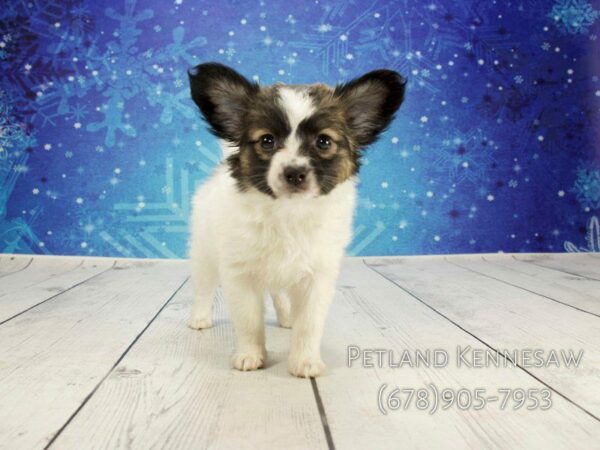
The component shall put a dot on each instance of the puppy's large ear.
(223, 96)
(370, 103)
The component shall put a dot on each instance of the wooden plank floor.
(95, 353)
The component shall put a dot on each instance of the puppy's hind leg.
(204, 280)
(281, 302)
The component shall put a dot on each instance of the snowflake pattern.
(16, 233)
(101, 146)
(587, 188)
(466, 158)
(592, 238)
(573, 16)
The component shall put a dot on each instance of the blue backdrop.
(495, 148)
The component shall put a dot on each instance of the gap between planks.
(117, 362)
(59, 261)
(484, 342)
(501, 280)
(376, 314)
(174, 370)
(63, 291)
(313, 382)
(48, 356)
(546, 261)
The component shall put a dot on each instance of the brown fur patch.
(352, 115)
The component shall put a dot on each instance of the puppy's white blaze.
(298, 106)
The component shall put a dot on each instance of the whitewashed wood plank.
(509, 318)
(371, 312)
(44, 280)
(176, 389)
(39, 270)
(581, 264)
(578, 292)
(12, 264)
(54, 355)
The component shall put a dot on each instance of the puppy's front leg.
(310, 304)
(246, 308)
(282, 305)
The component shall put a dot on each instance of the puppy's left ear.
(223, 96)
(370, 103)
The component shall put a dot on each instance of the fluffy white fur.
(254, 244)
(290, 247)
(277, 216)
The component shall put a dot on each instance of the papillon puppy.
(276, 215)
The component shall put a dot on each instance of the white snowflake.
(324, 28)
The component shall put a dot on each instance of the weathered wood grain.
(110, 364)
(576, 291)
(371, 312)
(582, 264)
(12, 264)
(54, 355)
(508, 318)
(176, 389)
(44, 279)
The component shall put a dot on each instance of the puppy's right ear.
(223, 96)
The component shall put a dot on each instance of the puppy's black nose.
(295, 176)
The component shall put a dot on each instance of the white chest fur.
(278, 241)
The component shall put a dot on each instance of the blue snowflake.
(16, 234)
(573, 16)
(76, 61)
(587, 188)
(361, 31)
(493, 89)
(133, 73)
(466, 158)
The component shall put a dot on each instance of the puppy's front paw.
(249, 360)
(305, 367)
(199, 322)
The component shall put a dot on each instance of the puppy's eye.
(267, 142)
(323, 142)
